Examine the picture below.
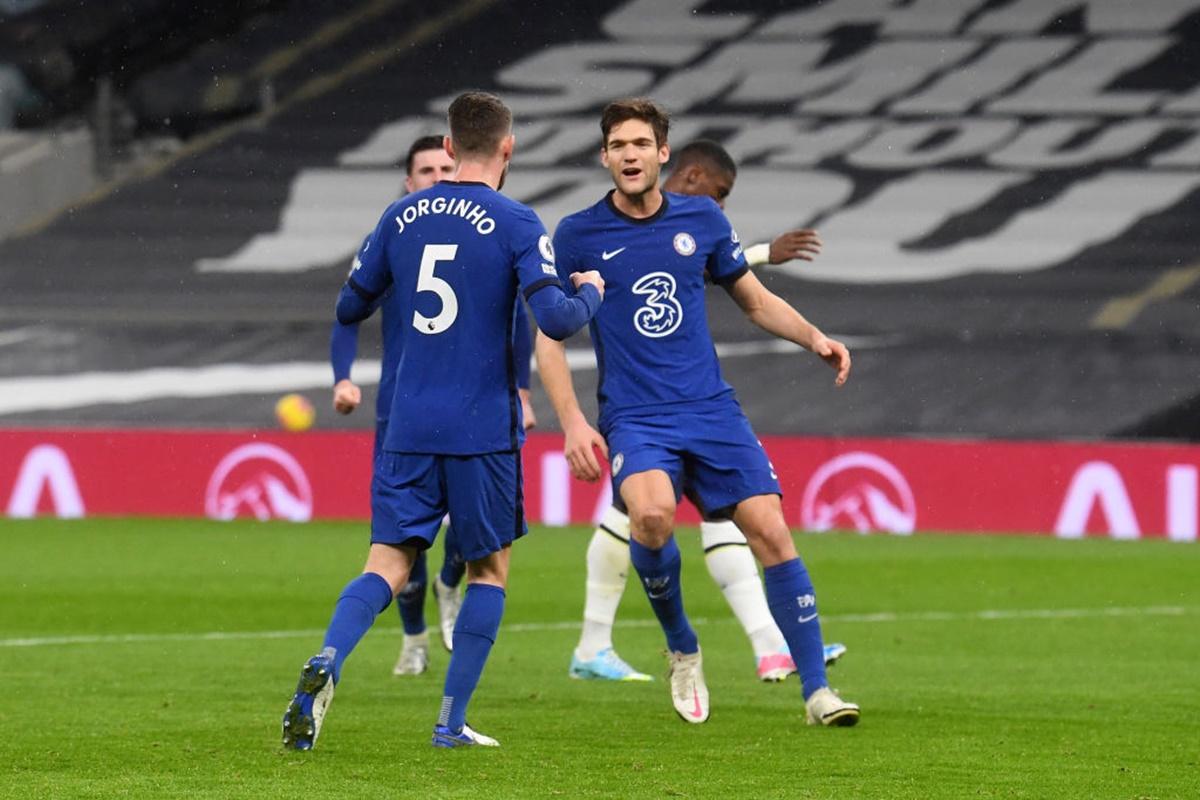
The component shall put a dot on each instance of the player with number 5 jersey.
(458, 373)
(455, 256)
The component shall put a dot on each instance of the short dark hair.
(641, 108)
(420, 146)
(705, 152)
(478, 123)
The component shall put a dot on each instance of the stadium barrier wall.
(1067, 489)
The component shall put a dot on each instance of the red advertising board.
(892, 485)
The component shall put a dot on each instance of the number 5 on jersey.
(428, 282)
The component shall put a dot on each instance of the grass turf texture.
(955, 703)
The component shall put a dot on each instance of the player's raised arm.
(804, 244)
(559, 315)
(774, 315)
(558, 312)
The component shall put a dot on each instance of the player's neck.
(490, 171)
(639, 206)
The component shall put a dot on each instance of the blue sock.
(453, 565)
(411, 600)
(474, 634)
(794, 607)
(363, 599)
(659, 571)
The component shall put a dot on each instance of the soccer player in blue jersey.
(666, 415)
(701, 168)
(455, 256)
(427, 163)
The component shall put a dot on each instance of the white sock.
(607, 569)
(732, 566)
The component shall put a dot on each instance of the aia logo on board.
(259, 480)
(859, 491)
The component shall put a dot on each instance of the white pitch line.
(1010, 614)
(536, 627)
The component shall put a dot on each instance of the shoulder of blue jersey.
(516, 207)
(697, 202)
(569, 223)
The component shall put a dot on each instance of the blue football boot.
(305, 713)
(444, 737)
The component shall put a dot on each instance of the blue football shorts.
(412, 492)
(712, 454)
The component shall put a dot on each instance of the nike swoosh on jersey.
(607, 255)
(809, 618)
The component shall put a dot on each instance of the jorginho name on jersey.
(651, 335)
(455, 253)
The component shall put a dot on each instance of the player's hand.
(346, 396)
(527, 415)
(582, 442)
(804, 245)
(836, 355)
(591, 276)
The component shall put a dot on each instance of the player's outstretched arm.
(582, 439)
(802, 244)
(775, 316)
(558, 315)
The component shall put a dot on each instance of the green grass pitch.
(153, 659)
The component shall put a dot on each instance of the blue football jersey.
(651, 334)
(393, 336)
(455, 255)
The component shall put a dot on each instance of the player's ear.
(408, 186)
(664, 153)
(604, 156)
(449, 146)
(506, 147)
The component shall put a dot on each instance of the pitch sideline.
(536, 627)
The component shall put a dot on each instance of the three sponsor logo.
(661, 314)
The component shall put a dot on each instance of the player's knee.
(772, 543)
(654, 521)
(490, 569)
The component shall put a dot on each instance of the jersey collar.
(608, 199)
